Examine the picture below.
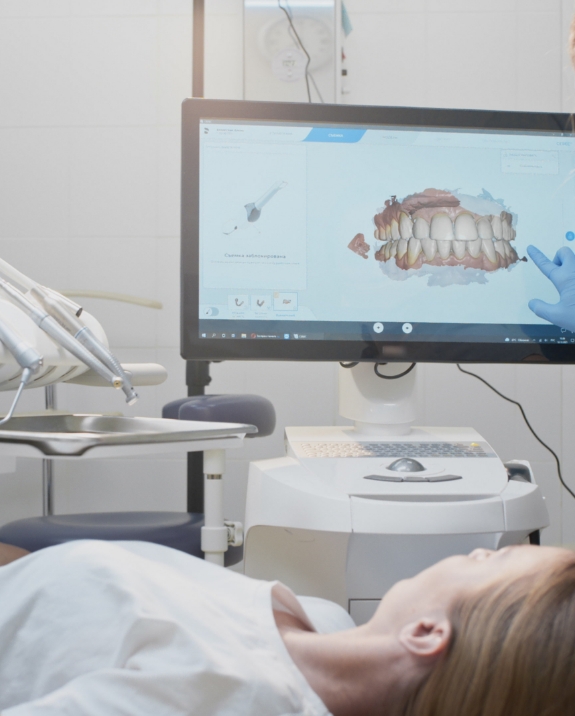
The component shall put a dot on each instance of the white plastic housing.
(58, 365)
(376, 405)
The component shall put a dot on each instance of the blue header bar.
(333, 134)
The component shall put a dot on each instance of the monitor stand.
(378, 406)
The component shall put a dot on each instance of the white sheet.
(103, 629)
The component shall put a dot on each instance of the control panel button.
(384, 478)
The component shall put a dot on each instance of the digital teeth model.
(436, 228)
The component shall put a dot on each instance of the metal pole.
(47, 463)
(197, 372)
(198, 49)
(214, 536)
(197, 378)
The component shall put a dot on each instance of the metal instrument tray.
(70, 435)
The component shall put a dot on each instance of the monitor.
(356, 233)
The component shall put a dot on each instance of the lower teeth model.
(442, 228)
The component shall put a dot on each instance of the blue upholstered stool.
(250, 409)
(180, 530)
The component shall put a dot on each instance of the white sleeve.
(132, 692)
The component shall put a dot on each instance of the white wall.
(89, 197)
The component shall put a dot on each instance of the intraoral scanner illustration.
(253, 210)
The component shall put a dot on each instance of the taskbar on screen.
(380, 331)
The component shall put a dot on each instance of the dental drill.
(27, 357)
(85, 336)
(253, 209)
(21, 279)
(50, 326)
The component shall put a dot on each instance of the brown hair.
(512, 652)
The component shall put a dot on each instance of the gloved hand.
(561, 271)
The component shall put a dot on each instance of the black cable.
(509, 400)
(349, 365)
(391, 377)
(312, 78)
(309, 74)
(288, 15)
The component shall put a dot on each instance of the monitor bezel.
(195, 348)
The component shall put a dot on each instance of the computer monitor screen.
(370, 233)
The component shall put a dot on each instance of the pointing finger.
(541, 261)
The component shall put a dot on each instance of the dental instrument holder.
(376, 405)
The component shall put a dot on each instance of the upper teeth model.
(442, 228)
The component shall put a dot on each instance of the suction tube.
(50, 326)
(83, 334)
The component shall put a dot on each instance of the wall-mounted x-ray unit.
(290, 46)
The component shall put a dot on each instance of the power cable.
(391, 377)
(300, 43)
(515, 402)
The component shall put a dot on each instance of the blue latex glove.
(561, 272)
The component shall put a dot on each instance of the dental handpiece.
(74, 307)
(22, 280)
(27, 357)
(83, 334)
(50, 326)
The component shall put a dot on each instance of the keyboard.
(392, 449)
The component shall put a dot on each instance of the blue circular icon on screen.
(570, 236)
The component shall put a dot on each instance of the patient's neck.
(359, 672)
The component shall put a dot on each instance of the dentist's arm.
(561, 272)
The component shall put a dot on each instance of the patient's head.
(489, 634)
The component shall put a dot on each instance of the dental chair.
(179, 530)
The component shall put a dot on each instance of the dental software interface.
(341, 232)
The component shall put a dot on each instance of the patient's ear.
(426, 638)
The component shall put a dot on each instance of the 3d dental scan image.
(463, 236)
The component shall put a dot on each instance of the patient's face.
(431, 592)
